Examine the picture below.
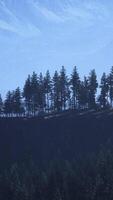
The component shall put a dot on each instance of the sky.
(36, 35)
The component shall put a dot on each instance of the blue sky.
(36, 35)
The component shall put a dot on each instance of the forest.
(46, 94)
(68, 156)
(62, 158)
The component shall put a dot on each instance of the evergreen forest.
(56, 138)
(45, 94)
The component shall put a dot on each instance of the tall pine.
(64, 88)
(75, 87)
(41, 99)
(47, 85)
(103, 98)
(93, 85)
(34, 93)
(27, 94)
(17, 102)
(8, 104)
(110, 81)
(56, 92)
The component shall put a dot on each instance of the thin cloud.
(14, 24)
(48, 14)
(52, 16)
(86, 12)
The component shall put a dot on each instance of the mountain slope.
(61, 137)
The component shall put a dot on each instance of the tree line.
(58, 93)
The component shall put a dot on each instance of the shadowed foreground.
(67, 156)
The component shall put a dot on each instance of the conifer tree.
(56, 92)
(75, 86)
(103, 98)
(47, 85)
(83, 96)
(42, 100)
(93, 85)
(27, 94)
(110, 81)
(8, 103)
(17, 103)
(34, 93)
(64, 88)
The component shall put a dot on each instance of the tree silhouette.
(56, 92)
(41, 98)
(103, 99)
(8, 104)
(75, 87)
(93, 85)
(47, 85)
(27, 94)
(83, 95)
(110, 81)
(17, 103)
(64, 88)
(59, 93)
(34, 93)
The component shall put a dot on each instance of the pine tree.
(47, 85)
(83, 95)
(103, 98)
(93, 85)
(27, 94)
(8, 104)
(42, 100)
(110, 82)
(64, 88)
(86, 86)
(34, 93)
(75, 86)
(17, 103)
(56, 92)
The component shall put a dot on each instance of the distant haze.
(36, 35)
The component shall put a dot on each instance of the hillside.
(54, 137)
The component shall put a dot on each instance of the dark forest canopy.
(46, 94)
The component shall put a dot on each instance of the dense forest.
(88, 179)
(66, 157)
(46, 94)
